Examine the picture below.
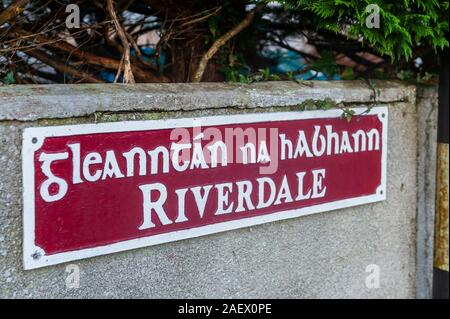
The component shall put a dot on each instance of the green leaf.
(9, 78)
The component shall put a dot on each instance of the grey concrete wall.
(427, 111)
(318, 256)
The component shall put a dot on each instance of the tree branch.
(61, 67)
(13, 10)
(221, 41)
(127, 72)
(105, 62)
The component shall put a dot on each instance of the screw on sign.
(96, 189)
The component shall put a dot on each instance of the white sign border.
(33, 139)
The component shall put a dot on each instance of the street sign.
(96, 189)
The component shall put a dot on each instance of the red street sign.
(100, 188)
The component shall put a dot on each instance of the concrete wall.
(318, 256)
(427, 111)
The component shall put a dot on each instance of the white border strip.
(40, 133)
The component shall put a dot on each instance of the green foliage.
(310, 104)
(8, 79)
(328, 104)
(348, 114)
(348, 74)
(404, 24)
(233, 75)
(326, 64)
(409, 75)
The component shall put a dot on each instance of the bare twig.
(61, 67)
(201, 18)
(13, 10)
(127, 72)
(116, 78)
(133, 44)
(92, 59)
(221, 41)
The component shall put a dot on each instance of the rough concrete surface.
(427, 111)
(62, 101)
(318, 256)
